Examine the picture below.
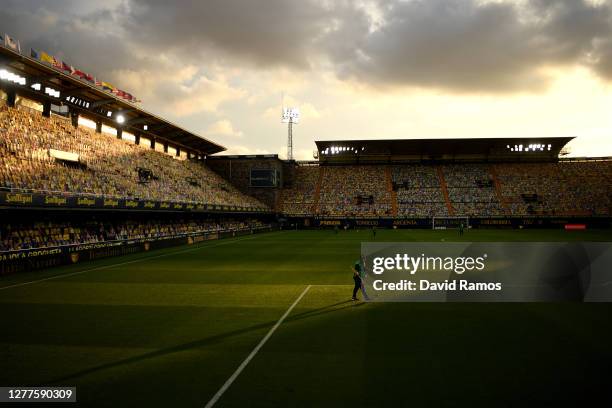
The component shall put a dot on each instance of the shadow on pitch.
(324, 310)
(209, 340)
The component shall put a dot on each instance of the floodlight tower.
(290, 116)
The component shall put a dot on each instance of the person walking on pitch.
(358, 276)
(357, 279)
(362, 275)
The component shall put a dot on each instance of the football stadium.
(142, 265)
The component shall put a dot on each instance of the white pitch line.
(98, 268)
(246, 361)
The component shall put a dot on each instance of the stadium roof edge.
(70, 85)
(272, 156)
(447, 149)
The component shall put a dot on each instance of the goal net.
(449, 222)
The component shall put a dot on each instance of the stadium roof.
(478, 149)
(100, 102)
(244, 157)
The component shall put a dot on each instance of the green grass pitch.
(168, 328)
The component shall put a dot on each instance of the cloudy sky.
(356, 69)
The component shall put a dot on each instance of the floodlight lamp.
(120, 119)
(290, 115)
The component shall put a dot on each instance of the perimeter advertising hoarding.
(75, 201)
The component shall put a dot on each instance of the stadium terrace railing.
(19, 197)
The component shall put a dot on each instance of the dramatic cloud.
(465, 45)
(455, 45)
(356, 68)
(223, 128)
(263, 32)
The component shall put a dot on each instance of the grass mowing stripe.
(98, 268)
(246, 361)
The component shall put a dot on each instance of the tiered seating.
(58, 233)
(106, 166)
(418, 191)
(471, 190)
(565, 188)
(354, 191)
(300, 198)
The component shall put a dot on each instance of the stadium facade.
(486, 182)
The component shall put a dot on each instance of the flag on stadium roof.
(78, 73)
(54, 61)
(44, 57)
(12, 43)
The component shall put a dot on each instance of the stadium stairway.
(392, 193)
(443, 186)
(278, 203)
(315, 206)
(498, 189)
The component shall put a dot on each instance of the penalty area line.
(247, 360)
